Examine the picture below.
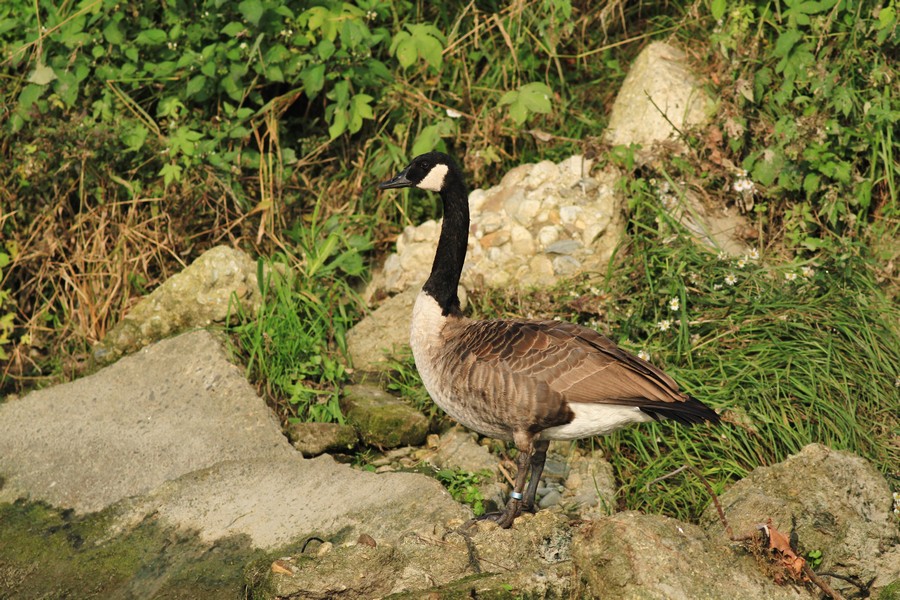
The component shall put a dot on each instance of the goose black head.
(427, 172)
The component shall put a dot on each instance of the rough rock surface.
(630, 555)
(541, 222)
(382, 332)
(531, 559)
(834, 501)
(172, 408)
(203, 293)
(583, 481)
(659, 98)
(279, 500)
(187, 463)
(381, 419)
(313, 439)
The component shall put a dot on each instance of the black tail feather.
(687, 412)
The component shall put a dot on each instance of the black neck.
(451, 249)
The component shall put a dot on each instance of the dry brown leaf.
(282, 567)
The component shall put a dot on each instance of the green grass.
(295, 344)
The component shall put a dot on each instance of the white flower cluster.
(743, 184)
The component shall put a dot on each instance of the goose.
(523, 381)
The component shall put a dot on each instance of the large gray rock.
(175, 407)
(659, 99)
(187, 464)
(835, 502)
(279, 500)
(217, 284)
(382, 333)
(542, 221)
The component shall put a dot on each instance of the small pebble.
(552, 498)
(324, 549)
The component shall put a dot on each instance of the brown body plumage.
(525, 381)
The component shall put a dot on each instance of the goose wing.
(571, 363)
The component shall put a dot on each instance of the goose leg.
(537, 468)
(505, 518)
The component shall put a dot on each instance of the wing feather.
(568, 363)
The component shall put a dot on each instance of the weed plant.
(295, 344)
(463, 486)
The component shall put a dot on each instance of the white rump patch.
(595, 419)
(434, 181)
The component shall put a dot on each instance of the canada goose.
(525, 381)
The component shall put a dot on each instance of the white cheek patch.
(434, 181)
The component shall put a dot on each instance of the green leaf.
(426, 141)
(113, 34)
(360, 109)
(406, 52)
(151, 37)
(325, 49)
(29, 95)
(134, 137)
(536, 97)
(421, 41)
(717, 8)
(529, 98)
(767, 167)
(786, 41)
(170, 172)
(313, 79)
(42, 74)
(338, 123)
(274, 73)
(233, 29)
(251, 10)
(196, 85)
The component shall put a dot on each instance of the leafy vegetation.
(463, 486)
(308, 306)
(135, 136)
(811, 92)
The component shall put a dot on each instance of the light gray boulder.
(541, 222)
(218, 283)
(659, 99)
(170, 409)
